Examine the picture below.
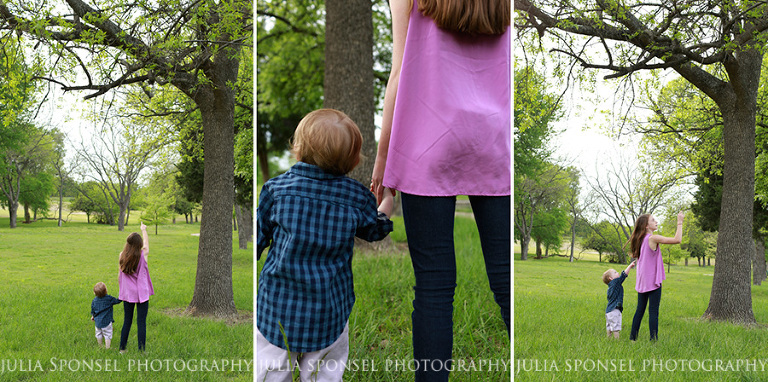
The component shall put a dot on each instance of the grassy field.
(560, 329)
(48, 273)
(380, 324)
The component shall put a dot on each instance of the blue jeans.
(653, 300)
(141, 323)
(429, 228)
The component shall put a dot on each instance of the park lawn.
(380, 323)
(559, 310)
(48, 273)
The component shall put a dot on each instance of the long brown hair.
(490, 17)
(129, 258)
(636, 240)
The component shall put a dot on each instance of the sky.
(583, 140)
(64, 111)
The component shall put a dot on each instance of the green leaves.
(535, 111)
(18, 93)
(685, 129)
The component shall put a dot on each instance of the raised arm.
(146, 240)
(654, 240)
(630, 266)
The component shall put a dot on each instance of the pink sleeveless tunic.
(137, 287)
(650, 268)
(451, 124)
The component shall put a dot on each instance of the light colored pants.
(274, 364)
(613, 321)
(105, 332)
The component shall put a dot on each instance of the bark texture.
(213, 294)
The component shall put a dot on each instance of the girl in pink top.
(135, 285)
(650, 269)
(446, 131)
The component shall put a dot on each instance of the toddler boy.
(309, 218)
(615, 306)
(101, 313)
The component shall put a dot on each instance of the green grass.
(48, 273)
(560, 322)
(380, 323)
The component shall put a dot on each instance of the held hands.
(380, 191)
(387, 201)
(377, 178)
(387, 194)
(143, 227)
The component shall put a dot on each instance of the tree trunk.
(348, 84)
(686, 261)
(538, 249)
(264, 165)
(758, 265)
(573, 239)
(26, 214)
(731, 298)
(239, 218)
(13, 208)
(213, 293)
(61, 202)
(121, 218)
(524, 242)
(245, 221)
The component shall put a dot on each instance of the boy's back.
(101, 310)
(615, 293)
(309, 219)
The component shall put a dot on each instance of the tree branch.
(287, 22)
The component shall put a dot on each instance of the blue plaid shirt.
(309, 219)
(101, 310)
(616, 293)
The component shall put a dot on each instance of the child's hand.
(387, 201)
(388, 193)
(632, 264)
(92, 318)
(680, 217)
(143, 227)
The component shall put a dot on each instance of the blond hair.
(488, 17)
(329, 139)
(607, 276)
(100, 289)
